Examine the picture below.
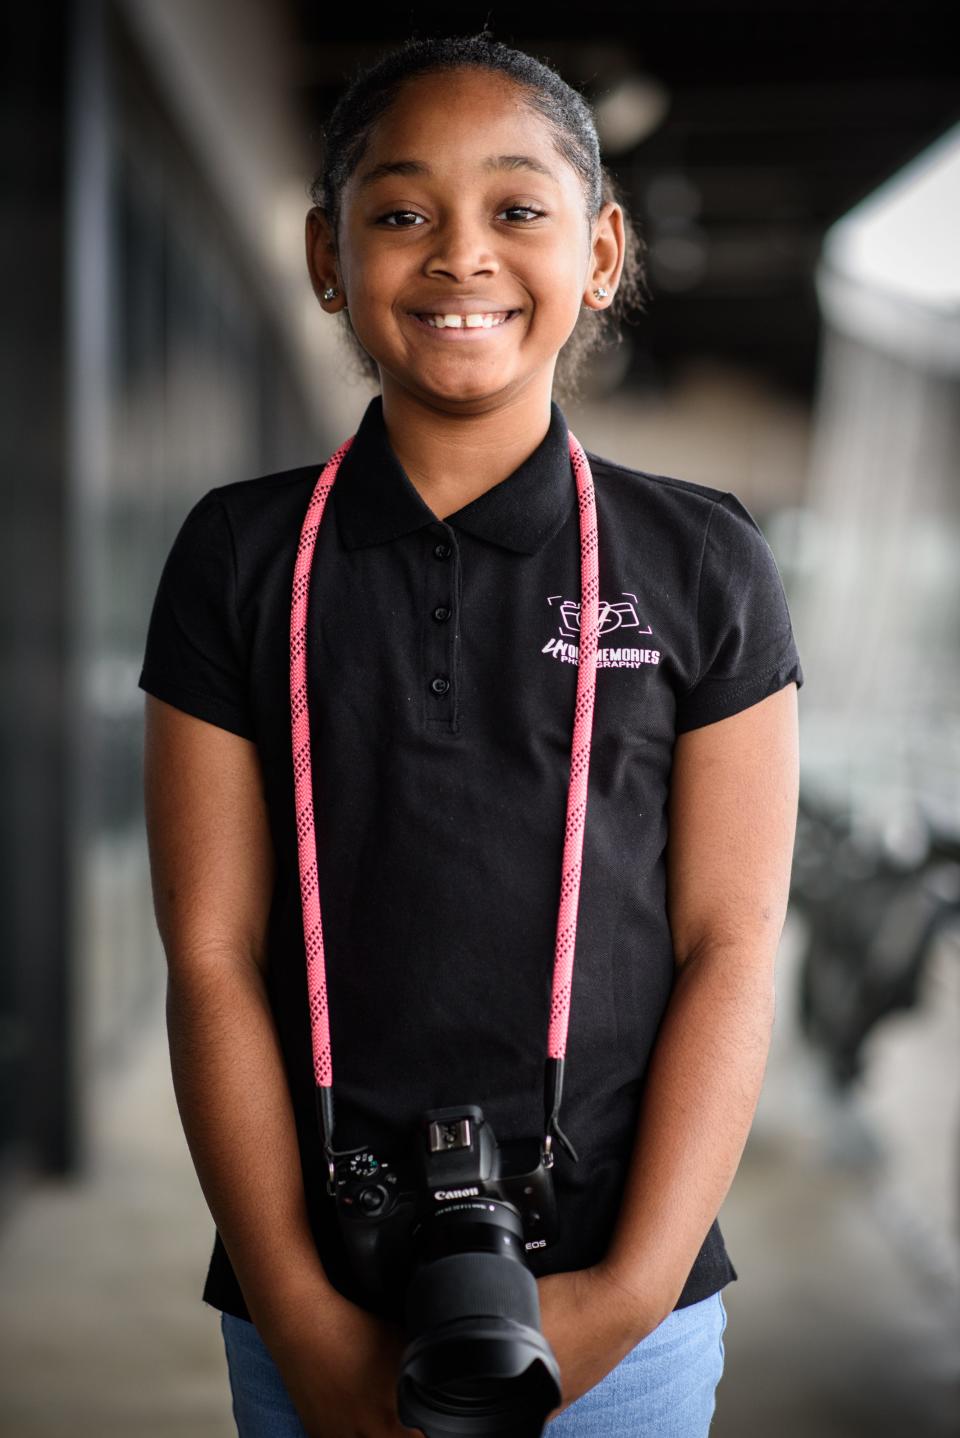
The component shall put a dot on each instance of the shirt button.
(440, 684)
(442, 551)
(441, 613)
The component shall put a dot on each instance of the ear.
(607, 255)
(322, 257)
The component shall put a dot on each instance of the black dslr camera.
(449, 1229)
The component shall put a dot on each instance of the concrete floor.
(839, 1326)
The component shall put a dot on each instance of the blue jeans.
(664, 1388)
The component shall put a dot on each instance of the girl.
(469, 237)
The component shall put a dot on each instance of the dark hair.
(372, 91)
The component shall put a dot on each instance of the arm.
(212, 870)
(733, 806)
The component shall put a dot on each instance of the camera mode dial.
(364, 1165)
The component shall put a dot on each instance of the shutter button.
(441, 613)
(440, 684)
(441, 551)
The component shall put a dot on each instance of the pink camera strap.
(566, 933)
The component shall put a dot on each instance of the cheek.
(561, 298)
(559, 278)
(383, 275)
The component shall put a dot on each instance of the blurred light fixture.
(889, 270)
(678, 259)
(902, 238)
(678, 243)
(671, 196)
(632, 110)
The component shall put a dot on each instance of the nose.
(462, 249)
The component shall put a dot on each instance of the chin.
(464, 387)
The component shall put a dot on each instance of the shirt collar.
(376, 501)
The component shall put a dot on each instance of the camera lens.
(477, 1362)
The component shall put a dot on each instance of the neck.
(451, 459)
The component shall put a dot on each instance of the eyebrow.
(417, 167)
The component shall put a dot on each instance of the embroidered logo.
(613, 616)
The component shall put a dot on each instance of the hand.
(340, 1366)
(591, 1322)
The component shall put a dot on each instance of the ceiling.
(780, 116)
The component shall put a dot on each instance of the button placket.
(440, 637)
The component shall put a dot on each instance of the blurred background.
(795, 170)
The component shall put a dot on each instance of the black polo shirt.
(441, 676)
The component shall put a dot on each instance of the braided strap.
(579, 766)
(579, 758)
(303, 773)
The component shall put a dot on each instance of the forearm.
(700, 1096)
(237, 1116)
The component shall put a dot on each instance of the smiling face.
(463, 207)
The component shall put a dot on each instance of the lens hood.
(477, 1363)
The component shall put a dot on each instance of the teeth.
(470, 322)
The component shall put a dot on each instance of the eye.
(528, 210)
(384, 218)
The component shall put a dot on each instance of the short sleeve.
(195, 655)
(746, 642)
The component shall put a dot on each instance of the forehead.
(458, 120)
